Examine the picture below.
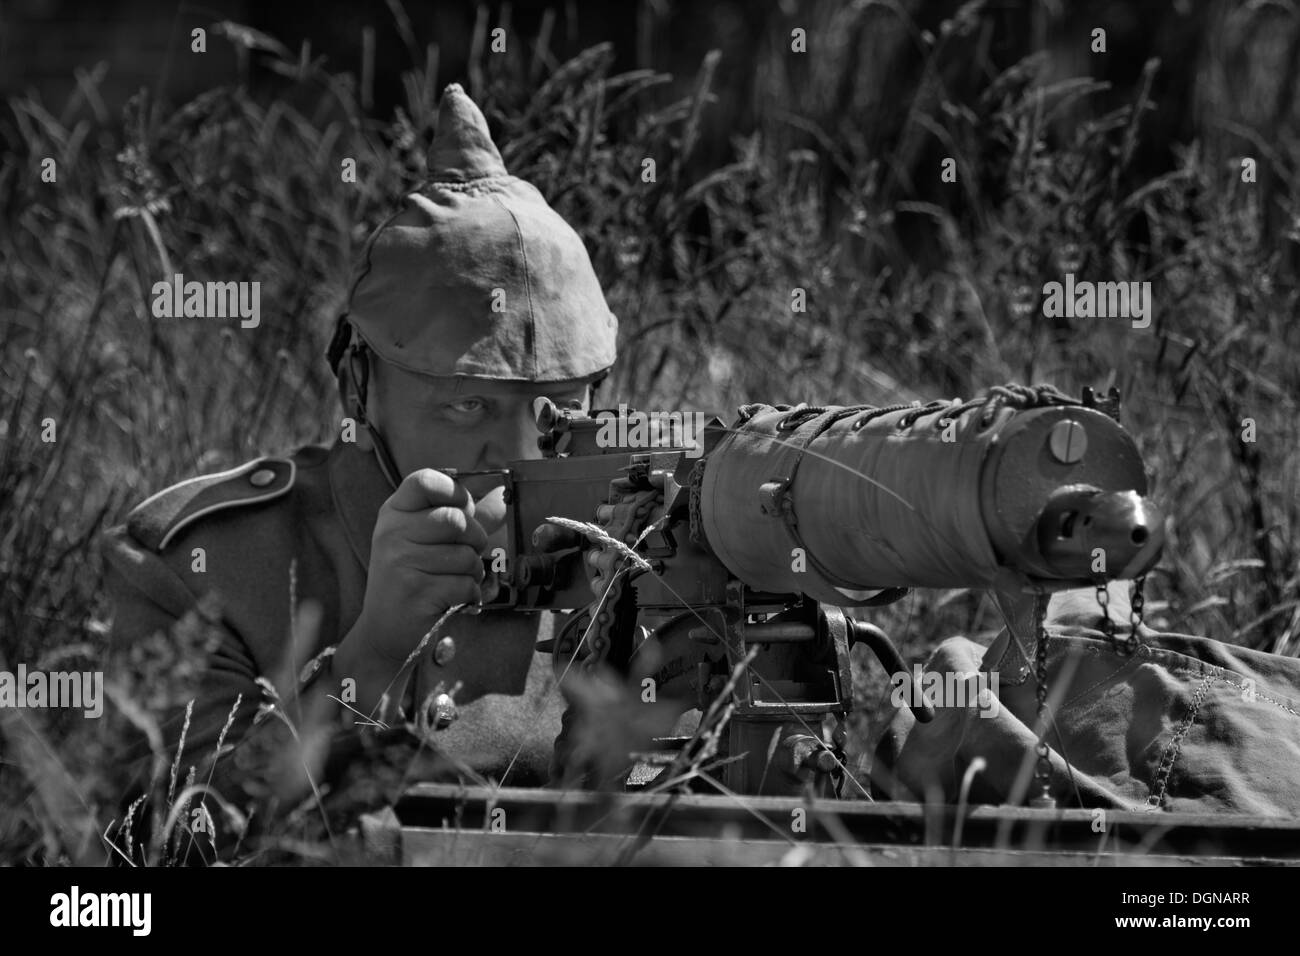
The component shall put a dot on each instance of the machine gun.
(720, 565)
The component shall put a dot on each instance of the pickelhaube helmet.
(476, 275)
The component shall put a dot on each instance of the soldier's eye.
(467, 406)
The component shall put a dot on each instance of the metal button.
(261, 478)
(444, 651)
(444, 711)
(1068, 441)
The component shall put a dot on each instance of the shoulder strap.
(158, 519)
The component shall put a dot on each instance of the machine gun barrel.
(839, 503)
(832, 502)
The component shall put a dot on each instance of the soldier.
(470, 302)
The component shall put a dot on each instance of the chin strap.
(357, 369)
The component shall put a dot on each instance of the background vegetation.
(916, 288)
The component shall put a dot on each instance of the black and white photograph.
(651, 433)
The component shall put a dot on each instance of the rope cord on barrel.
(1013, 394)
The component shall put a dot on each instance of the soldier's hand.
(425, 557)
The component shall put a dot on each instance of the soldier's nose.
(516, 444)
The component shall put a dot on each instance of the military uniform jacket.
(258, 550)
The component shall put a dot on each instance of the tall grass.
(243, 182)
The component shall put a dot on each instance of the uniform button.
(444, 712)
(444, 651)
(261, 478)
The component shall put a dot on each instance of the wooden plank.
(427, 847)
(789, 822)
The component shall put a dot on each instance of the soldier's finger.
(490, 510)
(445, 525)
(427, 488)
(491, 589)
(452, 560)
(461, 590)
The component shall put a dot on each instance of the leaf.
(600, 535)
(251, 39)
(1221, 572)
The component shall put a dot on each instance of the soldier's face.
(466, 423)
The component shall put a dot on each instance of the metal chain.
(629, 519)
(1043, 768)
(1103, 601)
(1131, 643)
(695, 508)
(1137, 612)
(599, 643)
